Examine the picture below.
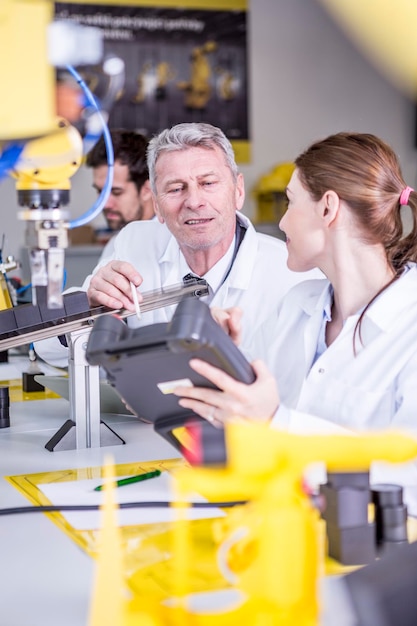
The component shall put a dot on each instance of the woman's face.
(303, 226)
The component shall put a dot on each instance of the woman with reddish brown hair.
(343, 351)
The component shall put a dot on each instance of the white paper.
(15, 369)
(9, 372)
(159, 489)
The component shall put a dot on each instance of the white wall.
(306, 81)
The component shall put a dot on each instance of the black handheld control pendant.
(145, 364)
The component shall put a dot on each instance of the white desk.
(46, 580)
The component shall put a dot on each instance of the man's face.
(197, 198)
(124, 203)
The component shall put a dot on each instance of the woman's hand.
(230, 321)
(111, 286)
(235, 400)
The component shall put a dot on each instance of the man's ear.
(146, 200)
(157, 211)
(155, 205)
(240, 192)
(145, 190)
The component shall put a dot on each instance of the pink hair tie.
(405, 194)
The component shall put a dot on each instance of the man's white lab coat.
(257, 282)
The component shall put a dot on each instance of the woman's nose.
(283, 221)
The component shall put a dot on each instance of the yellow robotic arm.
(43, 187)
(27, 108)
(34, 128)
(271, 546)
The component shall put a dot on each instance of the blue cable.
(9, 157)
(99, 203)
(11, 154)
(24, 288)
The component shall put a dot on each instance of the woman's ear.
(329, 206)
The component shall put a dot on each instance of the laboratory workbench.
(46, 579)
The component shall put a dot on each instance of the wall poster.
(185, 64)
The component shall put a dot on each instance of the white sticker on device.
(169, 385)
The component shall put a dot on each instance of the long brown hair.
(364, 172)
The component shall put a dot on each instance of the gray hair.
(189, 135)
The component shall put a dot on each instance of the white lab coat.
(108, 250)
(376, 389)
(257, 282)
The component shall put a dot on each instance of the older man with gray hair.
(198, 193)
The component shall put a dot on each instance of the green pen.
(132, 479)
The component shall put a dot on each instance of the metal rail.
(155, 299)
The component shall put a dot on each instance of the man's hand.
(230, 321)
(111, 286)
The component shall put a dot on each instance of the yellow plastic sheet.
(147, 548)
(16, 393)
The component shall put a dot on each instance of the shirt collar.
(384, 311)
(389, 306)
(327, 304)
(216, 274)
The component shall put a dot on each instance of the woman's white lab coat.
(374, 389)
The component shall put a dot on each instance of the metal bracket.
(84, 429)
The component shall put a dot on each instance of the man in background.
(130, 198)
